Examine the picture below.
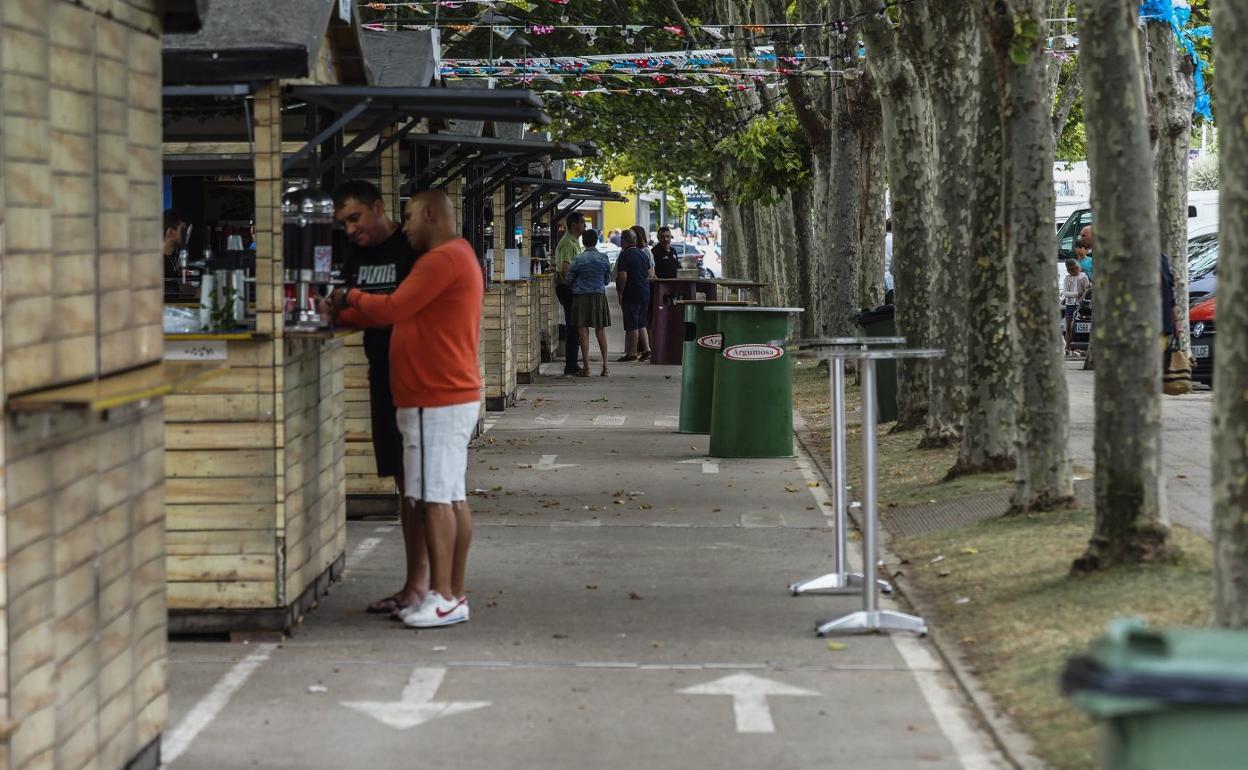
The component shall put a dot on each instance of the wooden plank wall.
(361, 465)
(315, 482)
(499, 334)
(82, 619)
(221, 485)
(85, 532)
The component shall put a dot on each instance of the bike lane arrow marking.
(749, 698)
(416, 705)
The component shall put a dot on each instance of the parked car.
(1202, 318)
(1202, 267)
(684, 248)
(1081, 335)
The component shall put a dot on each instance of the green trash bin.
(752, 406)
(697, 374)
(1165, 699)
(881, 322)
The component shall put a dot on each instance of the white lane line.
(552, 422)
(755, 520)
(972, 747)
(667, 422)
(362, 550)
(384, 529)
(610, 420)
(202, 714)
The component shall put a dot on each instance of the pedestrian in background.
(1084, 257)
(569, 246)
(632, 287)
(1074, 285)
(590, 273)
(614, 237)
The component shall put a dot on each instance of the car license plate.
(1200, 351)
(1083, 327)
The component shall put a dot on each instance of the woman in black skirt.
(589, 275)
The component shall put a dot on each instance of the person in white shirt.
(1075, 284)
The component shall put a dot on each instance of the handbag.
(1177, 378)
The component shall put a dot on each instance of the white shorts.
(435, 450)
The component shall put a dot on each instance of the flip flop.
(388, 605)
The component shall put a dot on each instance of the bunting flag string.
(692, 59)
(700, 77)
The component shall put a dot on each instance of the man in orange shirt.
(436, 382)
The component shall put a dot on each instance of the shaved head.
(430, 220)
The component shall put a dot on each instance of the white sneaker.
(411, 609)
(436, 611)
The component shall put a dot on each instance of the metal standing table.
(871, 617)
(840, 580)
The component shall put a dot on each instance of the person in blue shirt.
(589, 275)
(1083, 257)
(632, 286)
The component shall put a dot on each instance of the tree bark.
(992, 378)
(906, 122)
(1015, 31)
(842, 214)
(1230, 413)
(732, 236)
(1130, 525)
(1172, 95)
(868, 119)
(950, 51)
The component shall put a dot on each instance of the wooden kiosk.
(82, 600)
(257, 464)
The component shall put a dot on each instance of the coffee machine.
(307, 252)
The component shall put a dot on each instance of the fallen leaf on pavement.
(634, 595)
(837, 646)
(970, 551)
(812, 484)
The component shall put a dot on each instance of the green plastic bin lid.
(1134, 668)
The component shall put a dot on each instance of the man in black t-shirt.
(379, 259)
(666, 260)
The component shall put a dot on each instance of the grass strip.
(1000, 589)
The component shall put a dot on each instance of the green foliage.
(1072, 145)
(1204, 173)
(1026, 30)
(771, 156)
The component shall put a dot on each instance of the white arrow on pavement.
(416, 705)
(749, 698)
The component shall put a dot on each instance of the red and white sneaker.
(436, 611)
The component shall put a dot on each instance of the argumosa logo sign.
(753, 352)
(711, 341)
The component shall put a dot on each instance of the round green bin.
(752, 404)
(697, 374)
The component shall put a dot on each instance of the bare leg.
(440, 533)
(643, 340)
(601, 333)
(463, 540)
(417, 583)
(1070, 338)
(584, 330)
(630, 343)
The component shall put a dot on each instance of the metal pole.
(870, 602)
(839, 499)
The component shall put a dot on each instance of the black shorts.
(635, 314)
(387, 441)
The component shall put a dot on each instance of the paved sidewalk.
(1187, 430)
(619, 580)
